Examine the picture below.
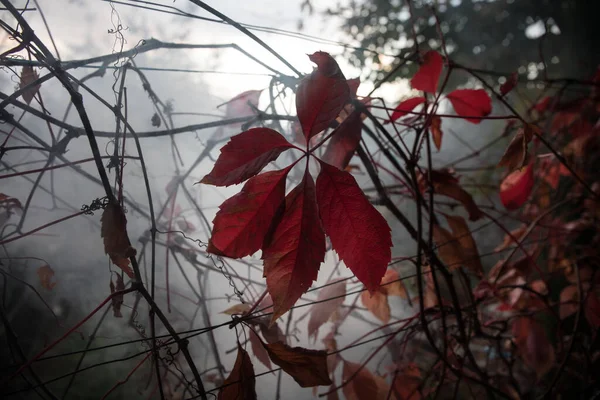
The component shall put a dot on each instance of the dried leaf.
(307, 367)
(364, 385)
(378, 304)
(515, 156)
(407, 383)
(449, 249)
(428, 75)
(46, 274)
(237, 309)
(116, 242)
(391, 284)
(117, 300)
(245, 155)
(471, 104)
(240, 384)
(322, 311)
(155, 120)
(28, 76)
(470, 255)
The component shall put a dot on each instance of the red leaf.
(307, 367)
(364, 385)
(428, 75)
(471, 103)
(533, 345)
(242, 105)
(241, 383)
(117, 301)
(378, 304)
(293, 257)
(29, 75)
(45, 273)
(436, 131)
(359, 233)
(516, 188)
(321, 95)
(343, 143)
(320, 312)
(259, 349)
(405, 107)
(245, 155)
(510, 84)
(116, 241)
(244, 220)
(353, 85)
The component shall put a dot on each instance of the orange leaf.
(407, 382)
(307, 367)
(392, 285)
(428, 75)
(533, 345)
(470, 255)
(436, 131)
(116, 242)
(364, 385)
(237, 309)
(322, 311)
(29, 75)
(515, 156)
(45, 273)
(378, 304)
(240, 384)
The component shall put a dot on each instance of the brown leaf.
(116, 241)
(470, 255)
(378, 304)
(364, 385)
(407, 382)
(237, 309)
(117, 301)
(436, 131)
(259, 350)
(45, 273)
(29, 75)
(307, 367)
(240, 384)
(449, 249)
(508, 239)
(392, 285)
(533, 344)
(321, 312)
(515, 156)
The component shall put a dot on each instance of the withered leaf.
(117, 300)
(116, 241)
(364, 385)
(241, 383)
(29, 75)
(307, 367)
(45, 273)
(515, 156)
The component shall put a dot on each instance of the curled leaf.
(241, 383)
(46, 274)
(116, 241)
(237, 309)
(515, 156)
(471, 104)
(307, 367)
(428, 75)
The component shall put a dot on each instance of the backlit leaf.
(471, 103)
(46, 275)
(241, 383)
(293, 256)
(404, 108)
(516, 188)
(29, 75)
(392, 285)
(307, 367)
(343, 143)
(378, 304)
(320, 312)
(436, 131)
(245, 155)
(116, 241)
(321, 95)
(243, 221)
(364, 385)
(428, 75)
(358, 232)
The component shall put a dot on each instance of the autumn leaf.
(259, 350)
(9, 202)
(307, 367)
(404, 108)
(592, 310)
(322, 311)
(245, 155)
(428, 75)
(353, 85)
(363, 385)
(117, 300)
(321, 95)
(391, 284)
(470, 255)
(445, 184)
(407, 383)
(471, 103)
(378, 304)
(343, 143)
(568, 301)
(358, 232)
(516, 188)
(508, 239)
(116, 242)
(242, 105)
(243, 221)
(515, 156)
(46, 274)
(449, 249)
(533, 345)
(28, 76)
(436, 131)
(510, 84)
(294, 254)
(240, 384)
(237, 309)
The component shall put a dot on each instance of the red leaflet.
(242, 105)
(321, 95)
(259, 349)
(245, 155)
(293, 256)
(436, 131)
(358, 232)
(343, 143)
(243, 221)
(320, 312)
(428, 75)
(353, 85)
(471, 103)
(510, 84)
(404, 108)
(516, 188)
(241, 383)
